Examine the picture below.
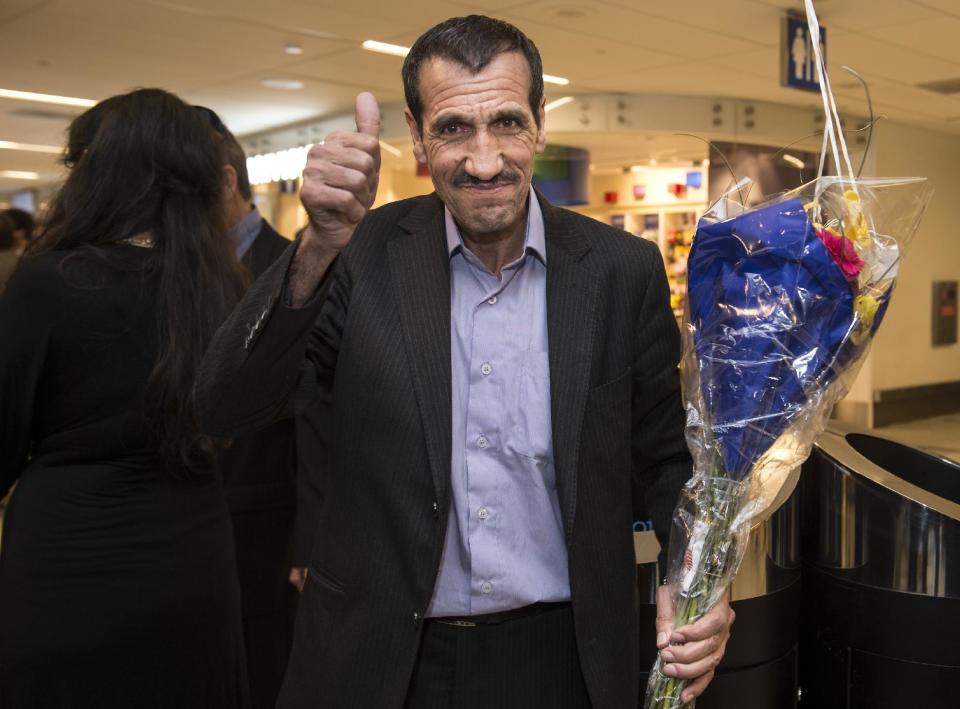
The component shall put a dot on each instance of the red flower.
(843, 252)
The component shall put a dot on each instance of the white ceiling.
(216, 52)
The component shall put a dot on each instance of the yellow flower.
(855, 224)
(865, 307)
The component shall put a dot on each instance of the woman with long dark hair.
(117, 579)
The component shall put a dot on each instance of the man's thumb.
(368, 114)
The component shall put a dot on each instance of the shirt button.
(482, 442)
(436, 509)
(485, 369)
(493, 300)
(416, 619)
(483, 513)
(486, 588)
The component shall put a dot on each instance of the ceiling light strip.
(30, 147)
(793, 160)
(46, 98)
(384, 48)
(391, 149)
(19, 175)
(557, 104)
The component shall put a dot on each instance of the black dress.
(118, 586)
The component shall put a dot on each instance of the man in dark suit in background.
(503, 371)
(260, 469)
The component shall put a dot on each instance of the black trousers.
(523, 663)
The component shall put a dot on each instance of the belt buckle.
(459, 623)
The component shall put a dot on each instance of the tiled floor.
(939, 435)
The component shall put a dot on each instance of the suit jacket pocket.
(325, 579)
(607, 426)
(619, 387)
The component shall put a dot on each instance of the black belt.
(472, 621)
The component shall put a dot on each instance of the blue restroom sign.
(798, 64)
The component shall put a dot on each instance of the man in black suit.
(260, 469)
(502, 372)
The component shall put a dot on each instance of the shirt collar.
(245, 232)
(534, 242)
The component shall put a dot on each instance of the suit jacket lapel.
(571, 322)
(420, 266)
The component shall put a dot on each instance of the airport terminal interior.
(655, 113)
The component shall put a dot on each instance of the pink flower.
(843, 252)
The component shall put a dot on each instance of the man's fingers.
(692, 651)
(665, 615)
(344, 178)
(354, 150)
(693, 669)
(695, 688)
(320, 199)
(368, 114)
(716, 620)
(298, 575)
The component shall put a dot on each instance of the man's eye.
(509, 123)
(452, 129)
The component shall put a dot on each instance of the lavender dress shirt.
(505, 543)
(245, 232)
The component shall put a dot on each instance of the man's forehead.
(446, 85)
(506, 71)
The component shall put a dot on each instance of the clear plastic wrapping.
(783, 301)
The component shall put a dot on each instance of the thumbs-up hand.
(340, 179)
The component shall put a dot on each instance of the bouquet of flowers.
(783, 301)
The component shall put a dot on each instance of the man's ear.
(230, 179)
(418, 150)
(542, 130)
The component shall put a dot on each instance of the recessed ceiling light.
(557, 104)
(283, 84)
(294, 49)
(19, 175)
(46, 98)
(29, 147)
(549, 79)
(653, 162)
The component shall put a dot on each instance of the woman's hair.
(148, 162)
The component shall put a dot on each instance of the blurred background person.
(118, 584)
(23, 225)
(8, 250)
(259, 469)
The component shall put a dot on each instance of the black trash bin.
(881, 575)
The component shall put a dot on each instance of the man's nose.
(484, 159)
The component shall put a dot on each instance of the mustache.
(506, 177)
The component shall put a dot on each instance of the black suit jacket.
(378, 334)
(260, 483)
(259, 475)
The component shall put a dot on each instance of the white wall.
(903, 355)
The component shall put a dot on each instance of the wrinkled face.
(479, 140)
